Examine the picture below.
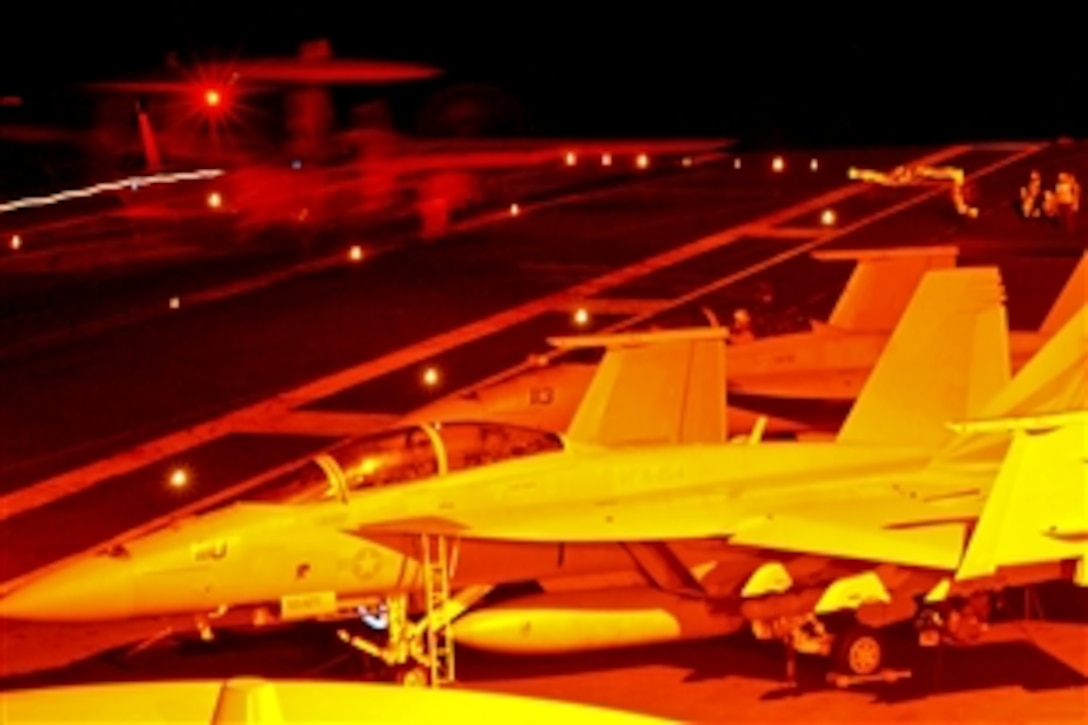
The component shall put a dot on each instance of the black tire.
(858, 651)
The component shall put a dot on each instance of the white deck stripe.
(795, 232)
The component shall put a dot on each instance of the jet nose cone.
(86, 590)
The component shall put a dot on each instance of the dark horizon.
(813, 81)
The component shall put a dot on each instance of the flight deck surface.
(242, 382)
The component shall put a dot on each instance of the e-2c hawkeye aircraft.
(801, 383)
(642, 525)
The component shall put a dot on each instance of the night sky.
(756, 70)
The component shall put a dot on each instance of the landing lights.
(179, 478)
(16, 243)
(778, 164)
(828, 218)
(355, 254)
(580, 317)
(430, 377)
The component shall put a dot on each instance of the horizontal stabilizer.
(882, 284)
(653, 388)
(1037, 511)
(947, 358)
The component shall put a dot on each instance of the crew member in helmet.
(1031, 197)
(741, 328)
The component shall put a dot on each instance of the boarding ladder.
(436, 592)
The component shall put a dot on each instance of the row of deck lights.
(642, 161)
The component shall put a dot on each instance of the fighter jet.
(641, 525)
(801, 383)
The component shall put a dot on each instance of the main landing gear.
(858, 654)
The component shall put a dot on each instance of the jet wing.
(592, 521)
(892, 526)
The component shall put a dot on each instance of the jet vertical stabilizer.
(947, 358)
(152, 156)
(882, 284)
(1073, 297)
(1053, 380)
(653, 388)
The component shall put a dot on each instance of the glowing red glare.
(215, 200)
(606, 159)
(515, 210)
(356, 253)
(212, 98)
(642, 161)
(571, 159)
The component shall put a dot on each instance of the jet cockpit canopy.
(411, 453)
